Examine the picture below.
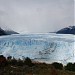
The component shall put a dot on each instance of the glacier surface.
(46, 47)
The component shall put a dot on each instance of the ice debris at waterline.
(42, 47)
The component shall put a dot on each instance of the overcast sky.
(29, 16)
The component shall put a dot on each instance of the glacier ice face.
(43, 47)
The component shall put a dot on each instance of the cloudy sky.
(34, 16)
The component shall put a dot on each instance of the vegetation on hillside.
(12, 66)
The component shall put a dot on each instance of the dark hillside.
(67, 30)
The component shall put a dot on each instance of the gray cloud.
(36, 15)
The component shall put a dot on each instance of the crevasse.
(42, 47)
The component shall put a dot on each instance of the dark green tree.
(70, 67)
(28, 61)
(57, 65)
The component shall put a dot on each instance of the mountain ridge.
(67, 30)
(7, 32)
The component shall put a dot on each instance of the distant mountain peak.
(67, 30)
(7, 32)
(2, 32)
(10, 32)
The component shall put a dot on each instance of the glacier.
(43, 47)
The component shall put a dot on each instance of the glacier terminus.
(43, 47)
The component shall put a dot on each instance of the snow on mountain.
(10, 32)
(43, 47)
(7, 32)
(67, 30)
(2, 32)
